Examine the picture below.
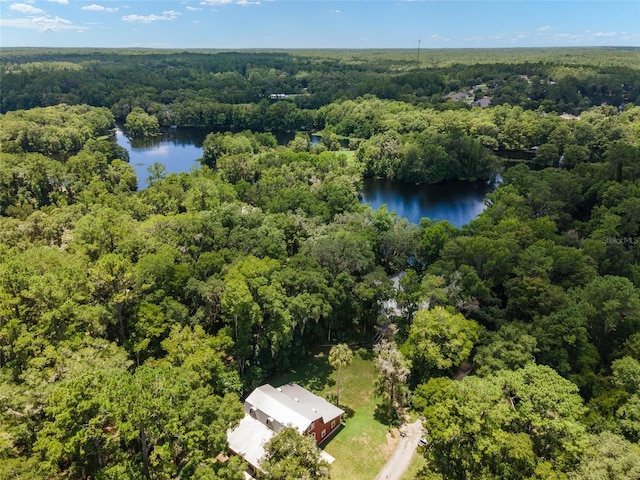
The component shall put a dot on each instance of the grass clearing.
(363, 446)
(418, 462)
(350, 154)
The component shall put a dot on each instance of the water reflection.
(178, 150)
(457, 202)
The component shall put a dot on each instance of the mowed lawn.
(361, 448)
(418, 462)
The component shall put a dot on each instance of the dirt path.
(401, 457)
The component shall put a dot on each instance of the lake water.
(178, 150)
(457, 202)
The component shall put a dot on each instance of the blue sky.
(318, 24)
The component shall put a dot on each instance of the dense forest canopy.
(132, 322)
(199, 88)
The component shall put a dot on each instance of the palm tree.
(340, 356)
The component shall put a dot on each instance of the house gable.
(276, 410)
(309, 402)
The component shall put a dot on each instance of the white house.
(268, 410)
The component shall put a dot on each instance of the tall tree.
(608, 456)
(509, 348)
(393, 370)
(340, 356)
(113, 278)
(140, 124)
(516, 425)
(291, 456)
(242, 313)
(439, 341)
(611, 306)
(169, 427)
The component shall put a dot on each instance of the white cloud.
(439, 38)
(25, 8)
(193, 9)
(629, 36)
(543, 28)
(216, 3)
(61, 2)
(568, 36)
(160, 150)
(166, 15)
(42, 24)
(99, 8)
(605, 34)
(335, 11)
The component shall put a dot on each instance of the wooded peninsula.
(134, 322)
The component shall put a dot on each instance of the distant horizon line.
(564, 47)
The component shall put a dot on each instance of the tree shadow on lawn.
(348, 412)
(312, 373)
(387, 416)
(365, 353)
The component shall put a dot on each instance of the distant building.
(483, 102)
(568, 116)
(278, 96)
(458, 96)
(268, 410)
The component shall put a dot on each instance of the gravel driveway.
(401, 457)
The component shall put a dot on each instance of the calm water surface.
(457, 202)
(178, 150)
